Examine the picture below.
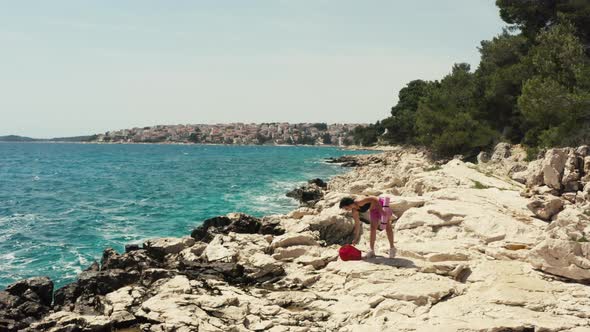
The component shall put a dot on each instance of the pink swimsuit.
(380, 214)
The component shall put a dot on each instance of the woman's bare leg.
(389, 232)
(373, 236)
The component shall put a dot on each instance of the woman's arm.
(357, 227)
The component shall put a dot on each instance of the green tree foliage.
(305, 140)
(555, 102)
(533, 16)
(447, 118)
(320, 126)
(499, 78)
(366, 136)
(326, 138)
(532, 86)
(261, 138)
(194, 137)
(559, 55)
(400, 125)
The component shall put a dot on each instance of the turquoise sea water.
(62, 204)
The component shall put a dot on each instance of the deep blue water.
(62, 204)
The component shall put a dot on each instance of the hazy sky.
(81, 67)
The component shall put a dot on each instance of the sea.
(61, 205)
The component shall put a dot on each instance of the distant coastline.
(240, 134)
(25, 139)
(347, 147)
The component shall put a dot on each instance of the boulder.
(483, 157)
(546, 207)
(221, 249)
(572, 173)
(533, 175)
(24, 302)
(103, 282)
(520, 177)
(307, 195)
(553, 167)
(131, 247)
(271, 226)
(586, 170)
(583, 151)
(570, 197)
(565, 251)
(120, 304)
(41, 286)
(399, 205)
(318, 182)
(263, 267)
(210, 227)
(501, 152)
(67, 295)
(564, 258)
(242, 223)
(289, 253)
(332, 224)
(93, 267)
(345, 161)
(360, 186)
(232, 222)
(301, 212)
(137, 260)
(193, 253)
(294, 239)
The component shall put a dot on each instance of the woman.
(369, 209)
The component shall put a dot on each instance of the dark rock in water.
(318, 182)
(210, 227)
(41, 286)
(132, 247)
(307, 195)
(93, 267)
(24, 302)
(345, 161)
(271, 226)
(243, 223)
(233, 222)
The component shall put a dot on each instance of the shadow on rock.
(394, 262)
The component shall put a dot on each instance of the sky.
(79, 67)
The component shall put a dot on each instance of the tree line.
(532, 86)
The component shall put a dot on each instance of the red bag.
(349, 253)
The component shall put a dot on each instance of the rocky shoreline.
(501, 245)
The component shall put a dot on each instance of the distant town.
(236, 133)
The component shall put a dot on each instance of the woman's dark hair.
(346, 201)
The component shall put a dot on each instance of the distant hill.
(73, 139)
(16, 138)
